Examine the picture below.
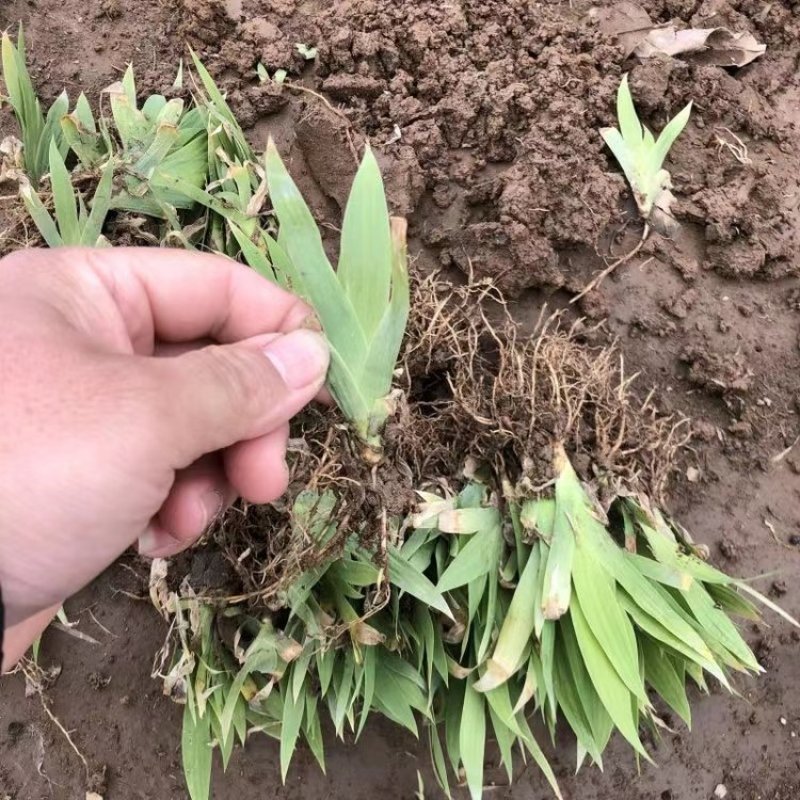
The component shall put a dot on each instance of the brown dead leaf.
(709, 46)
(628, 22)
(159, 590)
(633, 29)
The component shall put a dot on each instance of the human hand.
(103, 444)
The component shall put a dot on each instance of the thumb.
(223, 394)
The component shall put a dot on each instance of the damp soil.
(485, 117)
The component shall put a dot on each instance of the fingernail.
(156, 541)
(301, 357)
(148, 542)
(211, 504)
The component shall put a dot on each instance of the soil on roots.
(474, 392)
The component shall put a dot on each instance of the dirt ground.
(485, 116)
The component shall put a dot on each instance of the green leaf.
(240, 720)
(516, 629)
(499, 701)
(532, 746)
(365, 259)
(300, 670)
(437, 758)
(716, 623)
(376, 374)
(393, 698)
(744, 587)
(253, 256)
(326, 659)
(614, 694)
(424, 625)
(93, 227)
(304, 248)
(661, 573)
(472, 738)
(344, 694)
(368, 692)
(667, 550)
(166, 136)
(600, 723)
(650, 598)
(547, 654)
(533, 683)
(232, 697)
(505, 742)
(639, 154)
(489, 618)
(359, 573)
(703, 656)
(64, 198)
(153, 106)
(410, 580)
(628, 119)
(571, 706)
(475, 591)
(312, 729)
(671, 132)
(661, 674)
(291, 721)
(729, 598)
(225, 743)
(40, 215)
(453, 708)
(570, 499)
(479, 556)
(605, 617)
(626, 158)
(196, 754)
(221, 107)
(37, 131)
(539, 516)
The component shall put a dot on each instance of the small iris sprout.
(641, 157)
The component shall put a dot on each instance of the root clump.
(474, 391)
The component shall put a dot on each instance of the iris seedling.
(37, 130)
(641, 155)
(363, 305)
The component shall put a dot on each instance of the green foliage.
(363, 305)
(159, 141)
(38, 131)
(471, 655)
(73, 225)
(641, 155)
(81, 134)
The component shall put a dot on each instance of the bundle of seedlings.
(474, 540)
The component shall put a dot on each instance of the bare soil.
(500, 167)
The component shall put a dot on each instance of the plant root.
(473, 390)
(598, 279)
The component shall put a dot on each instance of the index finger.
(178, 296)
